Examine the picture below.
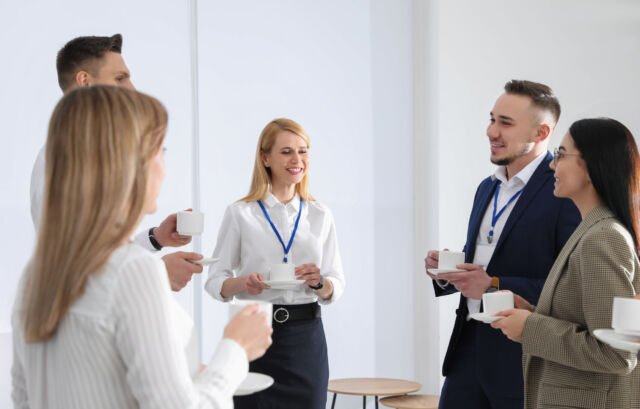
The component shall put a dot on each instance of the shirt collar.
(524, 175)
(294, 204)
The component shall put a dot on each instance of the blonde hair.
(261, 179)
(100, 144)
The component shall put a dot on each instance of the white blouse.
(247, 244)
(125, 343)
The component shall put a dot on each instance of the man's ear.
(82, 79)
(543, 132)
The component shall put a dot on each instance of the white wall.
(391, 39)
(587, 51)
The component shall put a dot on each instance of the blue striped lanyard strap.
(495, 217)
(293, 234)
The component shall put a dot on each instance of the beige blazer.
(564, 365)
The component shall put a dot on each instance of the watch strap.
(153, 240)
(319, 286)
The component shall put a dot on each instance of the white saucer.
(283, 285)
(205, 261)
(437, 271)
(254, 382)
(484, 317)
(619, 341)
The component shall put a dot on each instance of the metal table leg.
(333, 402)
(376, 402)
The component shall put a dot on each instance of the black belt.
(295, 312)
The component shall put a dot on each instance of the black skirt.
(297, 361)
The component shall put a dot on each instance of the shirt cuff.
(213, 286)
(338, 289)
(142, 239)
(229, 362)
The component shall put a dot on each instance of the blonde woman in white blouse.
(280, 222)
(95, 325)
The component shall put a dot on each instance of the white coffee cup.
(282, 272)
(625, 318)
(236, 306)
(190, 223)
(497, 301)
(448, 260)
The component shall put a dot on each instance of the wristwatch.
(319, 286)
(495, 285)
(153, 240)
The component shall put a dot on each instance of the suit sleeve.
(530, 288)
(607, 265)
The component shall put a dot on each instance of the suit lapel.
(482, 201)
(534, 185)
(546, 297)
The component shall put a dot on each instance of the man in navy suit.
(516, 229)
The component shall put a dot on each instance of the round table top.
(372, 386)
(411, 402)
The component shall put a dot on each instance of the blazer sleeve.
(566, 222)
(607, 264)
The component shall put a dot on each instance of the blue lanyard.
(293, 234)
(495, 217)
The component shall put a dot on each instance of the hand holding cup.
(512, 326)
(254, 284)
(250, 329)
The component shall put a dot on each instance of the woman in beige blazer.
(565, 366)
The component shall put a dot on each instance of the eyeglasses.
(558, 154)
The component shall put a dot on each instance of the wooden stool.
(411, 402)
(371, 387)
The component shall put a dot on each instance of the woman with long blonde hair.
(95, 325)
(279, 228)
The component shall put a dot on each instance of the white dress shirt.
(508, 188)
(125, 343)
(247, 244)
(37, 195)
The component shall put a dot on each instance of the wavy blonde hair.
(261, 180)
(100, 144)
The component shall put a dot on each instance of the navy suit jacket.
(533, 235)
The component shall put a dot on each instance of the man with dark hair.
(516, 229)
(86, 61)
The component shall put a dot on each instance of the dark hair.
(613, 163)
(81, 54)
(541, 95)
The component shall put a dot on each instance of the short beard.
(507, 161)
(502, 162)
